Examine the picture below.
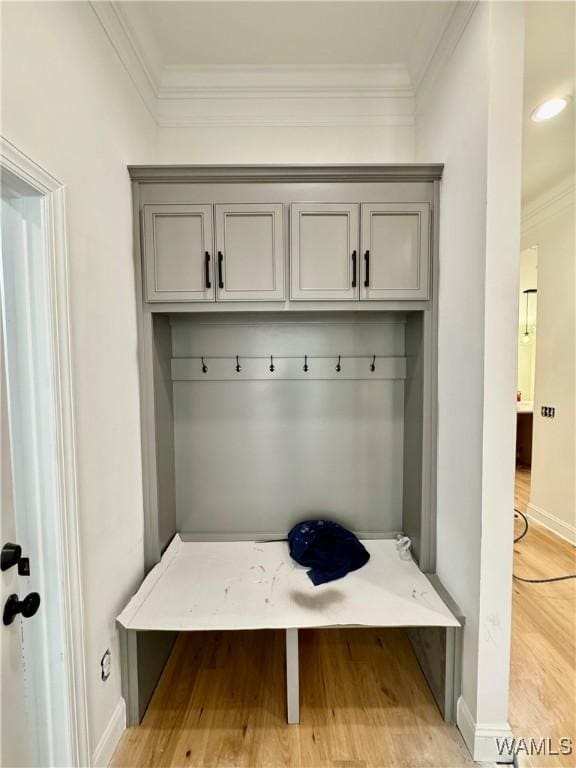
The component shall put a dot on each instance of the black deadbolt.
(10, 555)
(26, 607)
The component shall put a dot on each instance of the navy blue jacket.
(328, 548)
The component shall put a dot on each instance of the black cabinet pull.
(353, 269)
(207, 270)
(220, 278)
(367, 277)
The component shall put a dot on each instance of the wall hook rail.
(287, 367)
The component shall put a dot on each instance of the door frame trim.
(52, 193)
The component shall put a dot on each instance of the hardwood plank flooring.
(543, 670)
(364, 702)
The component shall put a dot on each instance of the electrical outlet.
(106, 665)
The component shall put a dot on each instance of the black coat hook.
(305, 368)
(272, 368)
(338, 366)
(238, 366)
(204, 367)
(373, 364)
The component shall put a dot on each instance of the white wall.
(68, 103)
(470, 119)
(296, 144)
(548, 223)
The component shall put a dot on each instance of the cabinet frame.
(193, 184)
(163, 185)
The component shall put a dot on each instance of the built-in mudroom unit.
(287, 324)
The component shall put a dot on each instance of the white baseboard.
(552, 523)
(481, 739)
(111, 736)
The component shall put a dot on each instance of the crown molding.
(457, 22)
(284, 80)
(275, 95)
(285, 96)
(549, 204)
(117, 30)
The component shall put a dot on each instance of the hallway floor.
(364, 701)
(543, 675)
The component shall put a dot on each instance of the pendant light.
(526, 338)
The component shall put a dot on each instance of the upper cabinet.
(385, 256)
(250, 252)
(395, 251)
(324, 246)
(186, 260)
(356, 251)
(178, 244)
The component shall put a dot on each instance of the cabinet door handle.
(207, 270)
(367, 276)
(220, 278)
(353, 269)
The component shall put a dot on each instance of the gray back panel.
(253, 457)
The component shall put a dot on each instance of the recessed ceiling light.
(549, 109)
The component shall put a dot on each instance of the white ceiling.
(548, 148)
(192, 34)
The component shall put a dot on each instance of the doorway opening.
(527, 319)
(543, 681)
(43, 711)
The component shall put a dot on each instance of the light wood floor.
(364, 701)
(543, 673)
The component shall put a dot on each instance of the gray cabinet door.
(324, 259)
(395, 251)
(178, 253)
(249, 252)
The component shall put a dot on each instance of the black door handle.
(10, 555)
(207, 270)
(353, 269)
(367, 276)
(220, 278)
(26, 607)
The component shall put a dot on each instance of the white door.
(324, 251)
(14, 724)
(36, 715)
(178, 257)
(250, 252)
(395, 251)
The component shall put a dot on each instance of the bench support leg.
(292, 677)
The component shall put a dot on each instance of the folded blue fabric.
(328, 548)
